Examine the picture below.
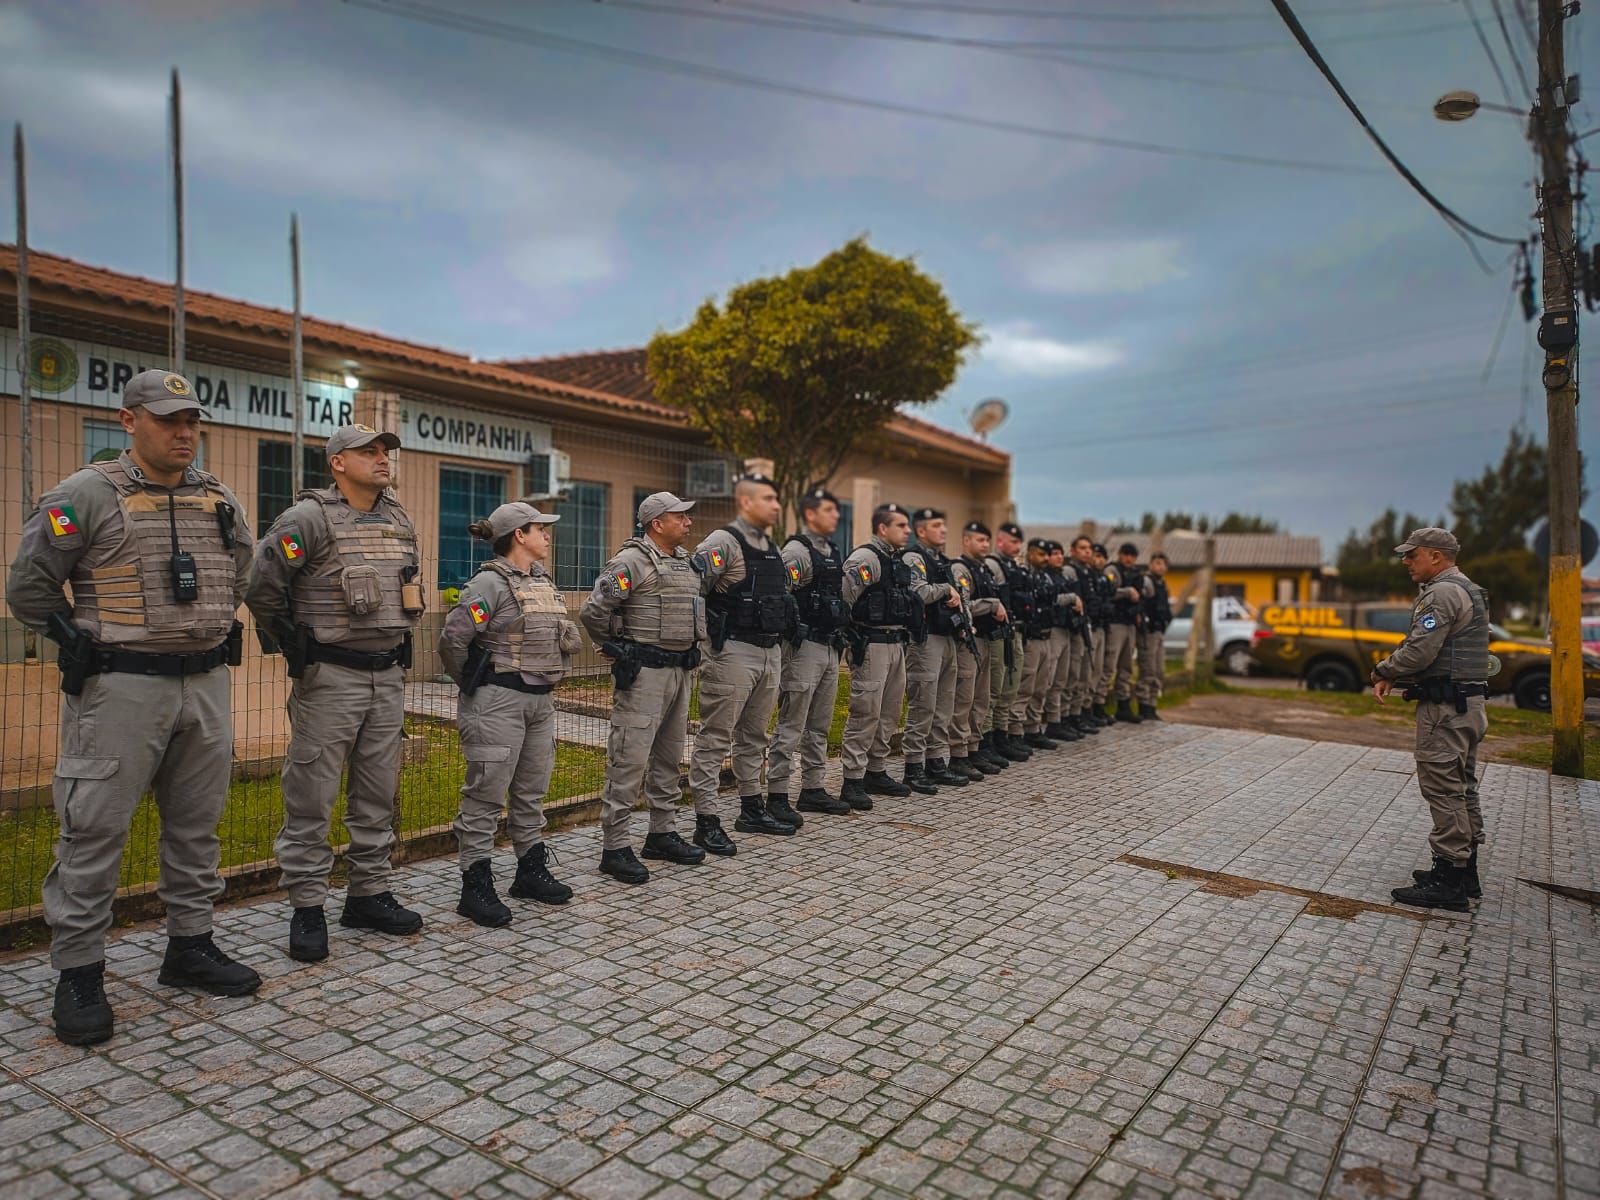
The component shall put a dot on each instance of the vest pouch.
(412, 602)
(772, 613)
(363, 589)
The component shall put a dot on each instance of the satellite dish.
(1456, 106)
(1588, 538)
(989, 416)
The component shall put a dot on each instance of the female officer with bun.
(506, 645)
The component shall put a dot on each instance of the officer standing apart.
(1152, 638)
(506, 645)
(647, 617)
(883, 612)
(1443, 664)
(1006, 659)
(157, 553)
(810, 673)
(1067, 645)
(969, 731)
(931, 659)
(748, 611)
(335, 584)
(1129, 589)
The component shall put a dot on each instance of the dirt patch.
(1372, 1181)
(1385, 729)
(1318, 904)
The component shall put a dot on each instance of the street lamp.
(1461, 105)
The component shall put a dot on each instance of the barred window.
(580, 536)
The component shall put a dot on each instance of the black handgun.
(625, 664)
(858, 645)
(76, 654)
(717, 628)
(235, 644)
(478, 668)
(405, 653)
(296, 647)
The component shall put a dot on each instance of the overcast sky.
(1170, 332)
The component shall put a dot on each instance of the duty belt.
(360, 660)
(1443, 691)
(655, 656)
(890, 637)
(514, 681)
(128, 662)
(753, 637)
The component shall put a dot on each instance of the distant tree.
(1377, 542)
(1245, 523)
(1376, 579)
(1500, 508)
(804, 367)
(1510, 577)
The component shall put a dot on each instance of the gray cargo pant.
(931, 697)
(1034, 653)
(1043, 678)
(971, 720)
(738, 689)
(1116, 677)
(645, 747)
(806, 697)
(338, 714)
(1152, 666)
(1094, 669)
(1447, 774)
(877, 688)
(1003, 681)
(1066, 646)
(509, 741)
(123, 735)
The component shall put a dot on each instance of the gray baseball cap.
(162, 393)
(1431, 538)
(350, 437)
(658, 504)
(508, 518)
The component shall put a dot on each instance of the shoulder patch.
(1428, 621)
(63, 520)
(794, 573)
(622, 581)
(290, 543)
(965, 582)
(478, 612)
(922, 567)
(865, 572)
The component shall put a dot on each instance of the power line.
(485, 27)
(977, 10)
(1488, 51)
(1511, 50)
(1459, 224)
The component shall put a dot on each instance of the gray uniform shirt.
(492, 592)
(1439, 612)
(863, 568)
(968, 585)
(719, 558)
(44, 562)
(928, 593)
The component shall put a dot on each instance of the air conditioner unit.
(549, 474)
(710, 480)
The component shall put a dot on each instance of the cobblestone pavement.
(966, 996)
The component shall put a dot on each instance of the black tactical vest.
(985, 588)
(758, 602)
(1158, 608)
(1046, 587)
(1123, 610)
(937, 615)
(889, 601)
(1019, 582)
(822, 606)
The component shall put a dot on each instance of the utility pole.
(177, 225)
(1200, 658)
(1552, 137)
(24, 354)
(297, 387)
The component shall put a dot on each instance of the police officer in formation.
(1131, 587)
(334, 584)
(647, 615)
(884, 614)
(1038, 663)
(157, 553)
(969, 728)
(1066, 643)
(1097, 600)
(931, 659)
(1443, 664)
(1011, 578)
(810, 672)
(748, 612)
(506, 644)
(1152, 639)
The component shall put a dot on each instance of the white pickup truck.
(1232, 627)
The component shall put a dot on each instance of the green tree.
(1245, 523)
(1497, 510)
(1514, 576)
(804, 367)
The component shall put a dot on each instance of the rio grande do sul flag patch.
(63, 521)
(478, 615)
(292, 547)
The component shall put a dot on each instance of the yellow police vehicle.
(1333, 648)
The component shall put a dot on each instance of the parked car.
(1232, 625)
(1333, 648)
(1591, 635)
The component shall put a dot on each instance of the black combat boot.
(1147, 712)
(977, 762)
(1445, 888)
(81, 1014)
(939, 771)
(198, 962)
(779, 809)
(1103, 715)
(854, 793)
(308, 934)
(1062, 732)
(1126, 714)
(669, 847)
(712, 838)
(818, 800)
(991, 753)
(1474, 889)
(754, 818)
(1039, 742)
(534, 881)
(917, 780)
(1010, 747)
(622, 866)
(881, 783)
(382, 913)
(1086, 724)
(479, 902)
